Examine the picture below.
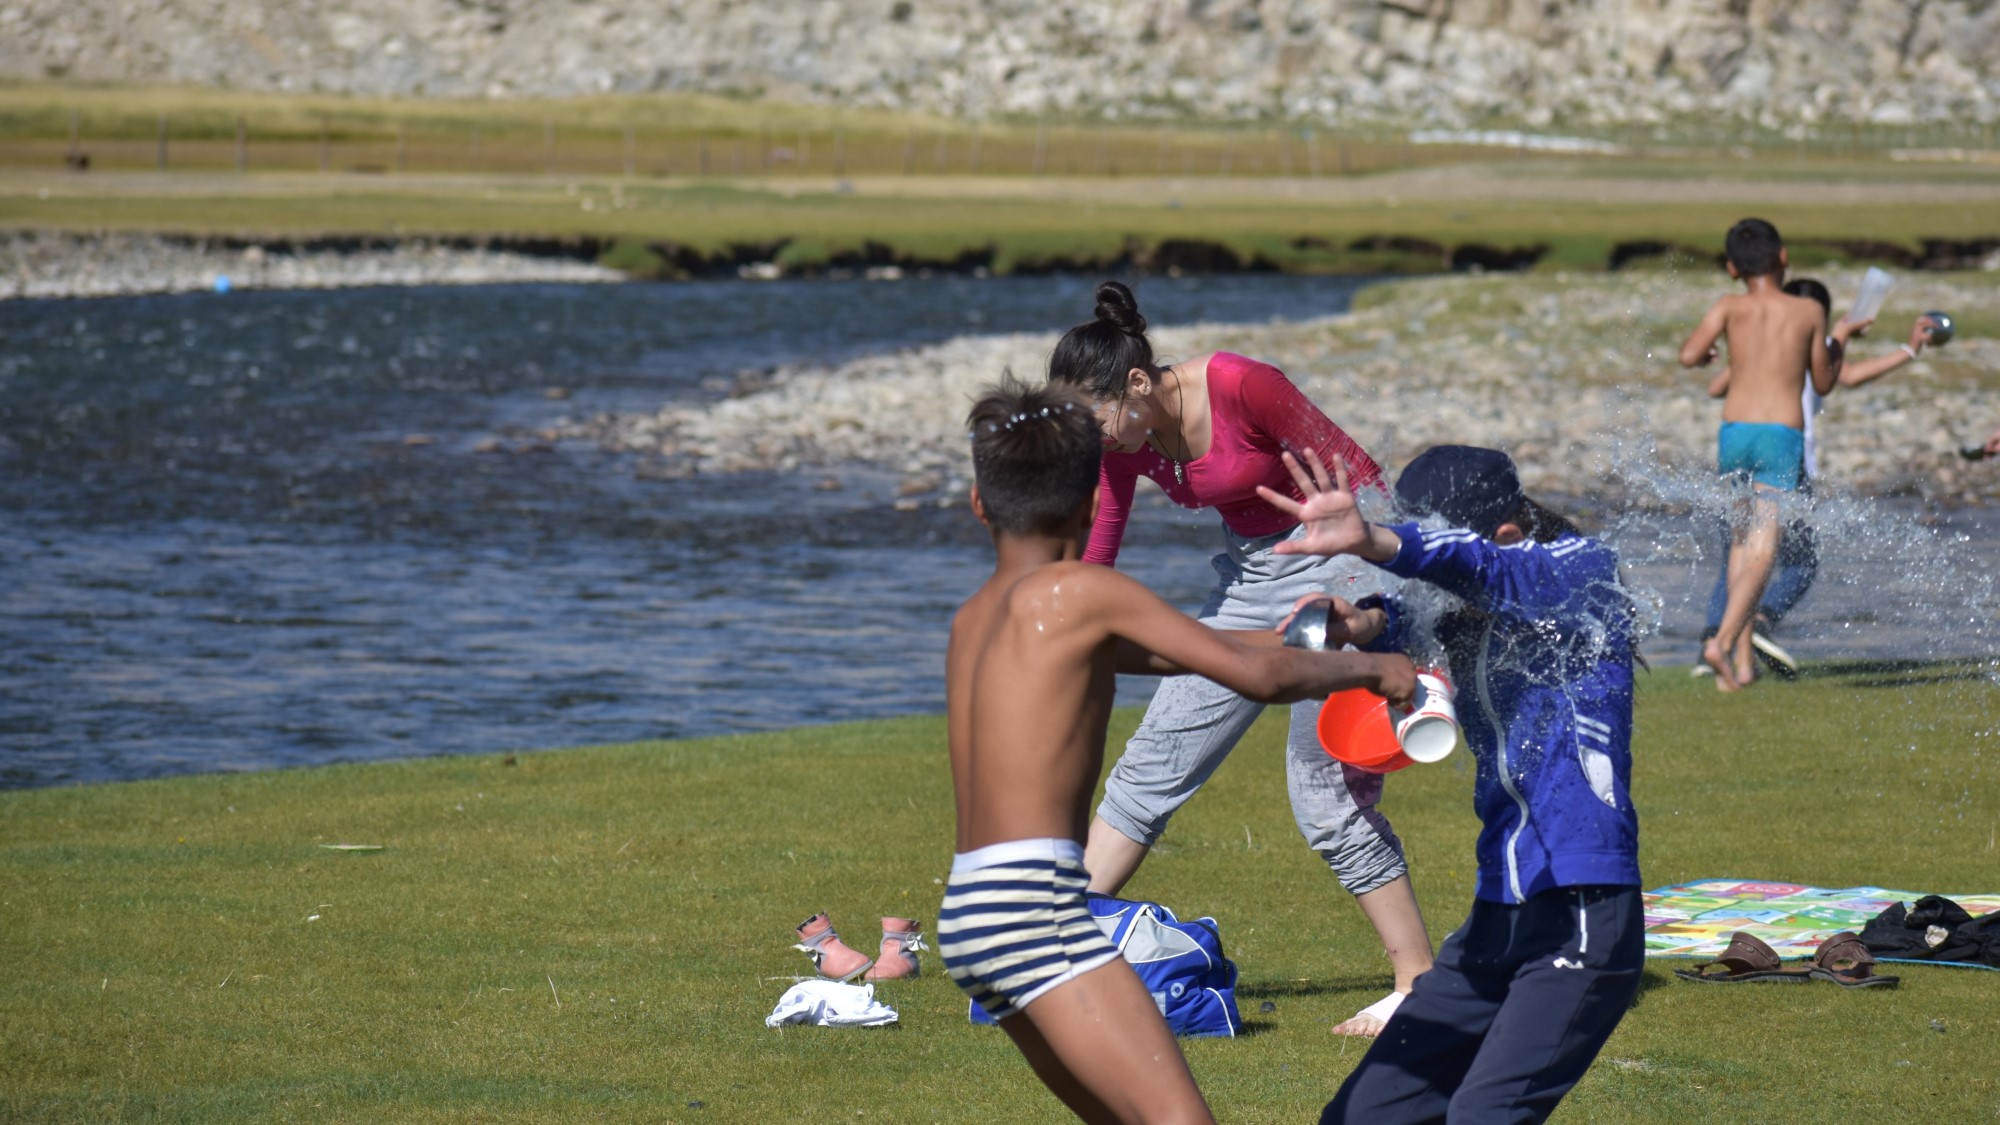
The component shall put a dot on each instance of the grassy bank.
(591, 934)
(812, 187)
(1475, 214)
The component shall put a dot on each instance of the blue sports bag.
(1181, 964)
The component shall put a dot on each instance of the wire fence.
(512, 145)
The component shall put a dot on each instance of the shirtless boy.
(1776, 341)
(1029, 679)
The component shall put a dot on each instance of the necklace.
(1180, 437)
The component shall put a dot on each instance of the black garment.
(1519, 1002)
(1935, 929)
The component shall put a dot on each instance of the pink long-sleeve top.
(1255, 414)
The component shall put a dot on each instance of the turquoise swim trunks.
(1768, 453)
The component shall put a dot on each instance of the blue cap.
(1469, 486)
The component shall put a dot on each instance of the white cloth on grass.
(829, 1003)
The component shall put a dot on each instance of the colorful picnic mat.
(1696, 919)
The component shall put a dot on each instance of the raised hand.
(1332, 519)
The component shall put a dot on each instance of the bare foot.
(1746, 660)
(1713, 656)
(1369, 1022)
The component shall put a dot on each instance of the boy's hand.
(1920, 333)
(1707, 358)
(1345, 624)
(1331, 517)
(1993, 444)
(1396, 679)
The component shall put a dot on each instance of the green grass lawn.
(1024, 226)
(597, 934)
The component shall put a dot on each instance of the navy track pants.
(1508, 1019)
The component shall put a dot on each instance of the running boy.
(1776, 342)
(1524, 994)
(1029, 678)
(1797, 560)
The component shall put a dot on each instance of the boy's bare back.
(1029, 678)
(1774, 338)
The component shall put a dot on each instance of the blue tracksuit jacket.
(1542, 663)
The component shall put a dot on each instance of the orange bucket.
(1355, 728)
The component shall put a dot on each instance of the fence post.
(242, 145)
(160, 145)
(630, 156)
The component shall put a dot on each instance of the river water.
(256, 530)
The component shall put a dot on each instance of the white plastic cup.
(1875, 286)
(1429, 732)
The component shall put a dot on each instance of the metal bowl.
(1308, 627)
(1940, 335)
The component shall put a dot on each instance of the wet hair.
(1540, 524)
(1035, 452)
(1753, 246)
(1807, 287)
(1096, 356)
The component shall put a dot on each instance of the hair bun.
(1117, 307)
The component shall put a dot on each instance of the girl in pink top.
(1208, 432)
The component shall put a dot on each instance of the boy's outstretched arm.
(1700, 346)
(1136, 661)
(1258, 669)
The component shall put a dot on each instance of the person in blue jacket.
(1538, 637)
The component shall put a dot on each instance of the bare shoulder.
(1805, 308)
(1080, 592)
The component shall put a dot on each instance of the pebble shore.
(1575, 375)
(42, 265)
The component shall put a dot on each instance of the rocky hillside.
(1444, 62)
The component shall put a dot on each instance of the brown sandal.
(1846, 962)
(1747, 961)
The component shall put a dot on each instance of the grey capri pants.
(1193, 723)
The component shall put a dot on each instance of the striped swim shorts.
(1014, 924)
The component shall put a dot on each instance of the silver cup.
(1941, 334)
(1308, 627)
